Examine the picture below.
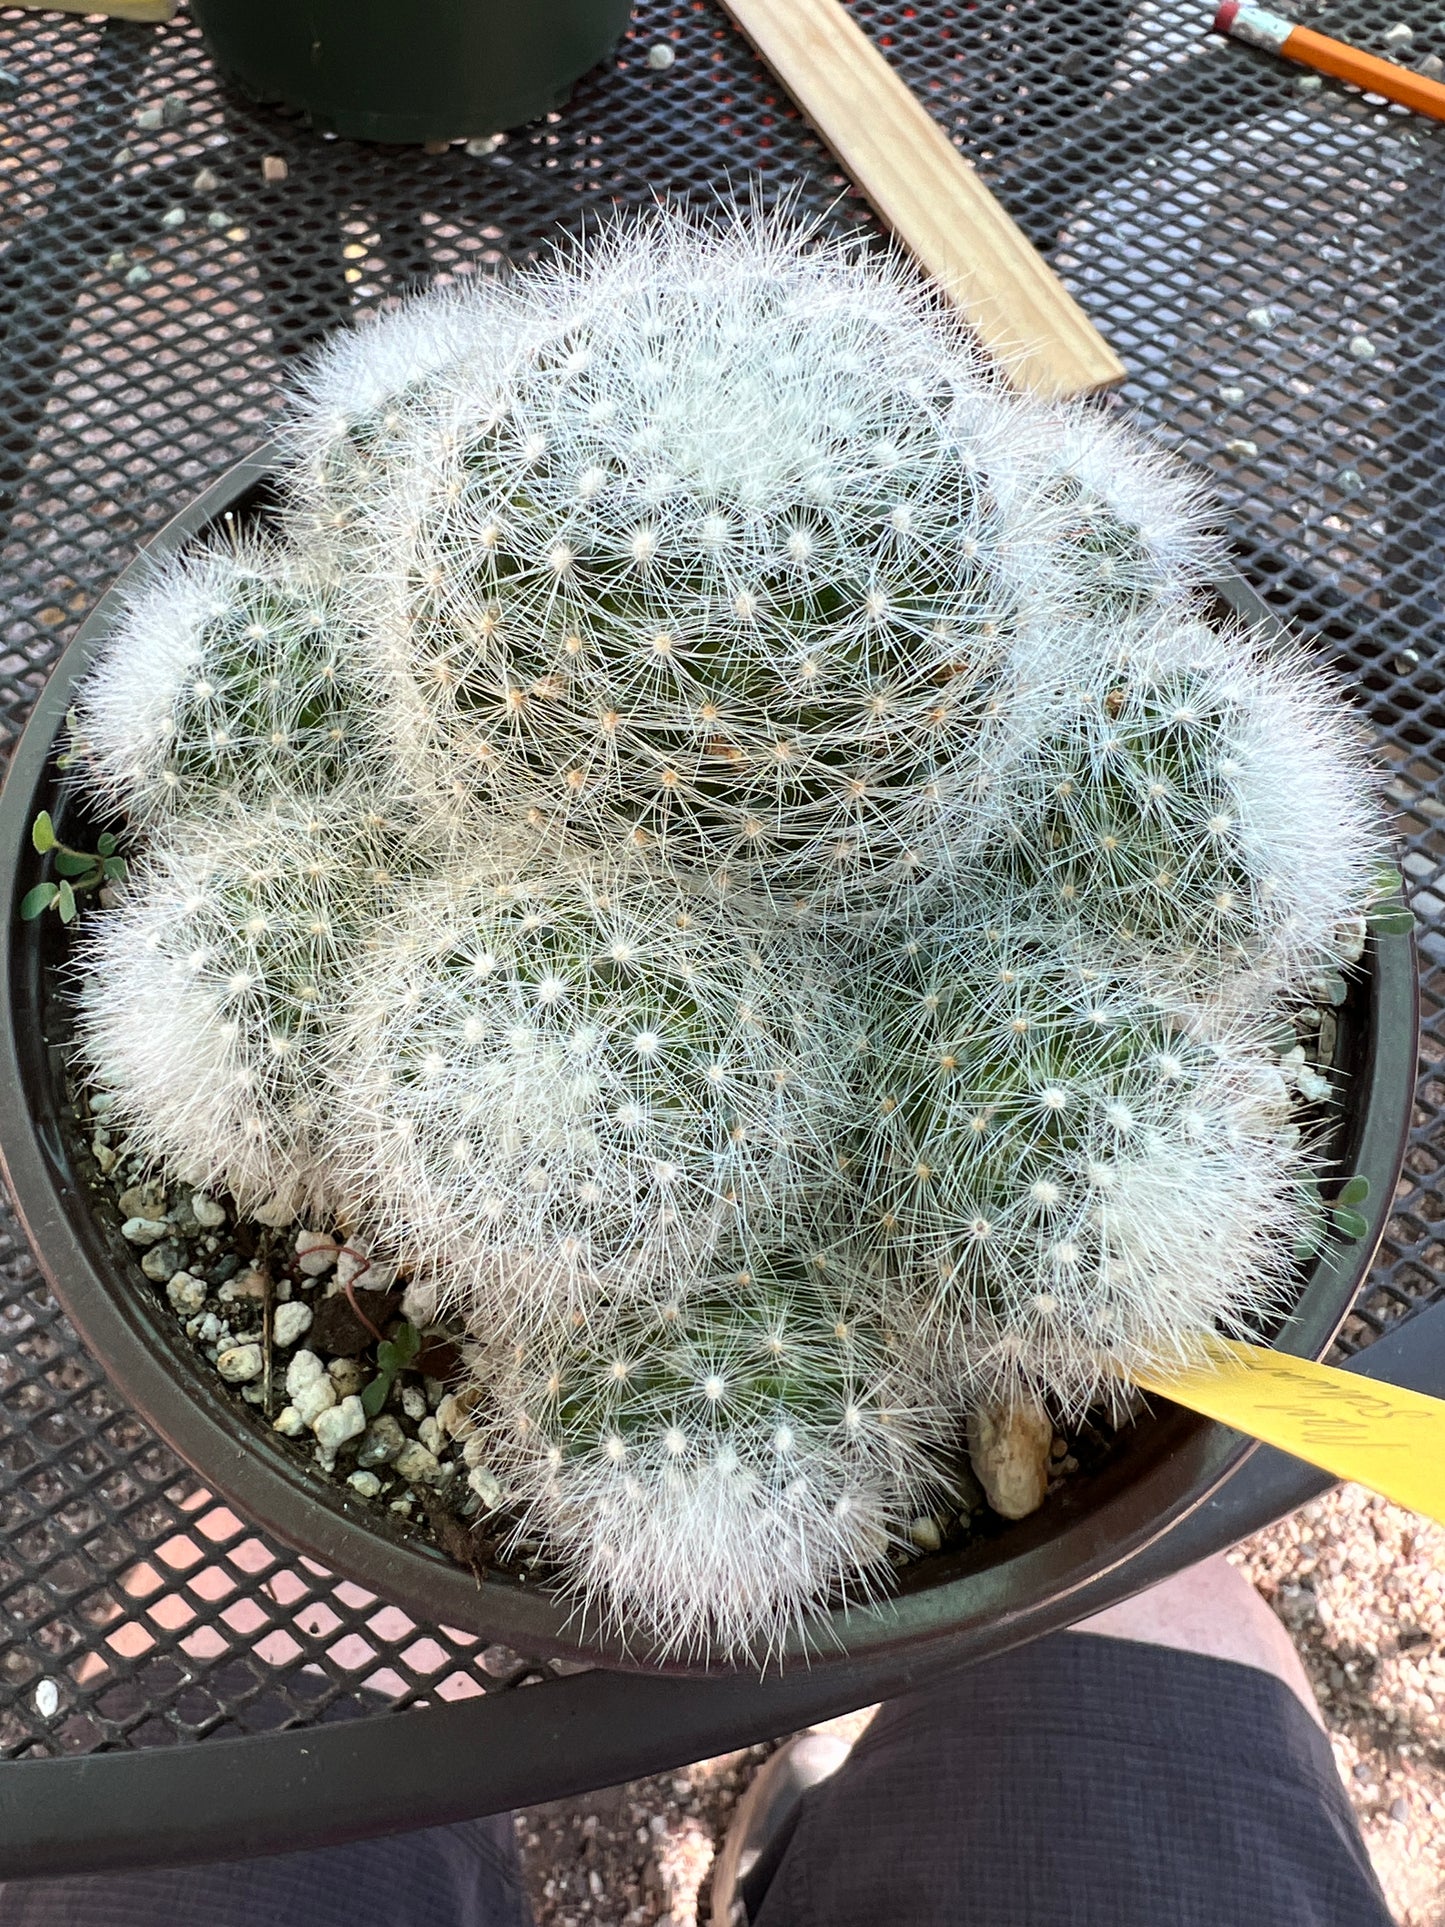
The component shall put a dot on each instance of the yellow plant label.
(1388, 1439)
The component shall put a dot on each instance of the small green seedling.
(1350, 1223)
(80, 871)
(393, 1355)
(1389, 915)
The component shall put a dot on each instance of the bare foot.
(1212, 1609)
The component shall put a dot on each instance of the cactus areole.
(762, 873)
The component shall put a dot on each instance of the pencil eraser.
(1227, 15)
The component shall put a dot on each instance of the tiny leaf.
(105, 845)
(405, 1344)
(1350, 1224)
(1392, 923)
(1354, 1191)
(1389, 882)
(37, 901)
(113, 869)
(71, 863)
(65, 902)
(373, 1396)
(42, 833)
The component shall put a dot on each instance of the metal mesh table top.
(1260, 249)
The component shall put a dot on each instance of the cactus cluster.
(743, 854)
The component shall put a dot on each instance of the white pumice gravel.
(384, 1441)
(207, 1213)
(366, 1483)
(289, 1422)
(304, 1369)
(316, 1396)
(484, 1483)
(250, 1283)
(357, 1268)
(338, 1425)
(187, 1294)
(144, 1231)
(417, 1465)
(346, 1375)
(291, 1322)
(240, 1364)
(276, 1213)
(316, 1252)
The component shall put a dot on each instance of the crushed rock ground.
(1360, 1585)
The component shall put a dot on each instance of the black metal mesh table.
(1262, 250)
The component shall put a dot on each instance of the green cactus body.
(1063, 1179)
(575, 1086)
(710, 1472)
(232, 674)
(207, 993)
(1199, 807)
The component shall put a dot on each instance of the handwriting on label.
(1380, 1435)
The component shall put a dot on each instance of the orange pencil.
(1276, 35)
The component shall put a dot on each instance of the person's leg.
(1166, 1765)
(466, 1875)
(1212, 1609)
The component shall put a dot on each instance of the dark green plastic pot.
(410, 70)
(990, 1593)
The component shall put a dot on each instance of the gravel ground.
(1360, 1585)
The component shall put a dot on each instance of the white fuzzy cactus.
(1060, 1180)
(346, 419)
(708, 1474)
(205, 995)
(568, 1087)
(1202, 802)
(741, 556)
(836, 821)
(230, 672)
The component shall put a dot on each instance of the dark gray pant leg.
(1082, 1782)
(466, 1875)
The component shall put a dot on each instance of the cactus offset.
(570, 1086)
(709, 1473)
(1202, 804)
(206, 995)
(1061, 1179)
(230, 673)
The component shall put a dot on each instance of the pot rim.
(989, 1595)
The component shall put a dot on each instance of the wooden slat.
(117, 9)
(929, 195)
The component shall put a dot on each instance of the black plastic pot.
(410, 70)
(989, 1595)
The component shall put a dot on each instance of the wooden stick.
(117, 9)
(929, 195)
